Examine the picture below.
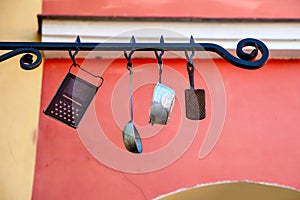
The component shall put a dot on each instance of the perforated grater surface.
(71, 100)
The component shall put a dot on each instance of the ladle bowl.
(131, 138)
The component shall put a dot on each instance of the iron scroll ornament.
(243, 60)
(26, 61)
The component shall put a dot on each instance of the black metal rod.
(244, 60)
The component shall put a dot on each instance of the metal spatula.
(194, 98)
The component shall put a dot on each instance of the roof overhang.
(281, 36)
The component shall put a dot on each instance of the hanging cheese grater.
(194, 98)
(72, 98)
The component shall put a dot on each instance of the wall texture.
(256, 9)
(20, 99)
(258, 142)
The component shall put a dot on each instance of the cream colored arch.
(234, 191)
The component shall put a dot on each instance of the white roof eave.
(282, 38)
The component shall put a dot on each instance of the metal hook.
(77, 65)
(159, 58)
(190, 58)
(72, 56)
(75, 53)
(162, 51)
(128, 57)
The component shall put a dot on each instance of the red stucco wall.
(259, 141)
(175, 8)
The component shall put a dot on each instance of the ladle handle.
(130, 94)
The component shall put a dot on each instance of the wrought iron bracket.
(243, 60)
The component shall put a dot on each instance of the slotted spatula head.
(195, 104)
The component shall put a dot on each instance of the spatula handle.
(190, 69)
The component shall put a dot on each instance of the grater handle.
(101, 79)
